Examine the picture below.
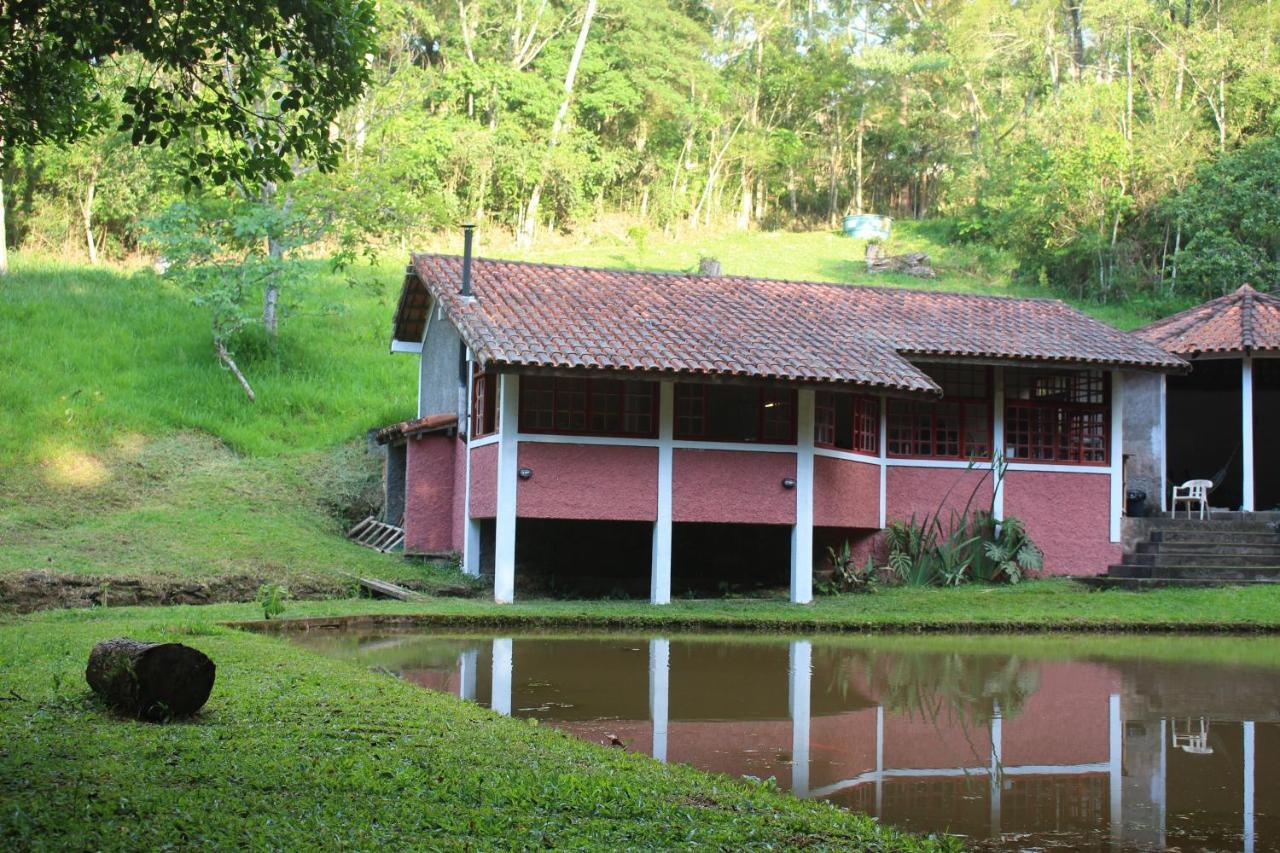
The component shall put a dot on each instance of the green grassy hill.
(127, 451)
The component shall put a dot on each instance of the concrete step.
(1203, 532)
(1220, 515)
(1131, 570)
(1139, 584)
(1213, 558)
(1240, 549)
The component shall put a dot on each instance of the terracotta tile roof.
(551, 316)
(1242, 320)
(397, 433)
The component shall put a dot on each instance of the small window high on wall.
(846, 422)
(484, 403)
(956, 427)
(1057, 416)
(743, 413)
(579, 406)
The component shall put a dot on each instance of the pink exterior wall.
(459, 496)
(428, 500)
(845, 493)
(920, 491)
(484, 481)
(732, 486)
(1068, 514)
(588, 481)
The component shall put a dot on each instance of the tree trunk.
(220, 348)
(86, 212)
(151, 681)
(857, 160)
(4, 235)
(529, 226)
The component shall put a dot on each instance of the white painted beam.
(1246, 429)
(407, 346)
(802, 531)
(800, 673)
(471, 535)
(884, 463)
(997, 440)
(1117, 452)
(660, 570)
(504, 565)
(659, 693)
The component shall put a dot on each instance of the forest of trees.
(1115, 148)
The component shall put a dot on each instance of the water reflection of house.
(1083, 749)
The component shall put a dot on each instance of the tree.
(209, 66)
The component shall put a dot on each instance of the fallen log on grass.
(151, 681)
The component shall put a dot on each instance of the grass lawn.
(295, 750)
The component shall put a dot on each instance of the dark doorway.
(729, 559)
(1266, 424)
(1203, 429)
(564, 558)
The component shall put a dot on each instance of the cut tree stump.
(151, 681)
(912, 263)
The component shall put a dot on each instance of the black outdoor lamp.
(525, 473)
(788, 482)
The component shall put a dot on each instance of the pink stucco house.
(672, 427)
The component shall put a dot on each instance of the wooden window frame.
(1059, 414)
(931, 407)
(762, 396)
(484, 402)
(588, 384)
(862, 440)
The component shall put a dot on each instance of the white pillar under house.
(500, 682)
(504, 558)
(883, 444)
(471, 542)
(997, 440)
(1246, 429)
(1117, 452)
(659, 693)
(800, 672)
(802, 531)
(660, 572)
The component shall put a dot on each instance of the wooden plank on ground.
(389, 590)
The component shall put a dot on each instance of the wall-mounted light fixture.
(788, 482)
(525, 473)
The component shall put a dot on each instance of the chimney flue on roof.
(468, 232)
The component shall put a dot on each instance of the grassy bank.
(295, 750)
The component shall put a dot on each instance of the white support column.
(1117, 452)
(500, 683)
(1249, 835)
(801, 676)
(802, 532)
(1246, 428)
(504, 565)
(471, 527)
(660, 572)
(1164, 443)
(1115, 754)
(467, 674)
(884, 459)
(659, 692)
(879, 759)
(997, 439)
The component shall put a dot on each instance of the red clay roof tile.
(549, 316)
(1244, 319)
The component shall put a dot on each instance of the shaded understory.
(293, 748)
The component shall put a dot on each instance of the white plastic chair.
(1192, 492)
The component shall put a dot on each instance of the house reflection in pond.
(1088, 751)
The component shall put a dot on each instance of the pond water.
(1097, 743)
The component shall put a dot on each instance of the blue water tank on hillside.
(867, 226)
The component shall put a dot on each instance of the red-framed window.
(484, 402)
(846, 421)
(743, 413)
(956, 427)
(1060, 416)
(580, 406)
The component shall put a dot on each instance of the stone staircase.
(1228, 548)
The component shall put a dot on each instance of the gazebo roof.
(1242, 321)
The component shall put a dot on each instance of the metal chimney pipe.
(468, 233)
